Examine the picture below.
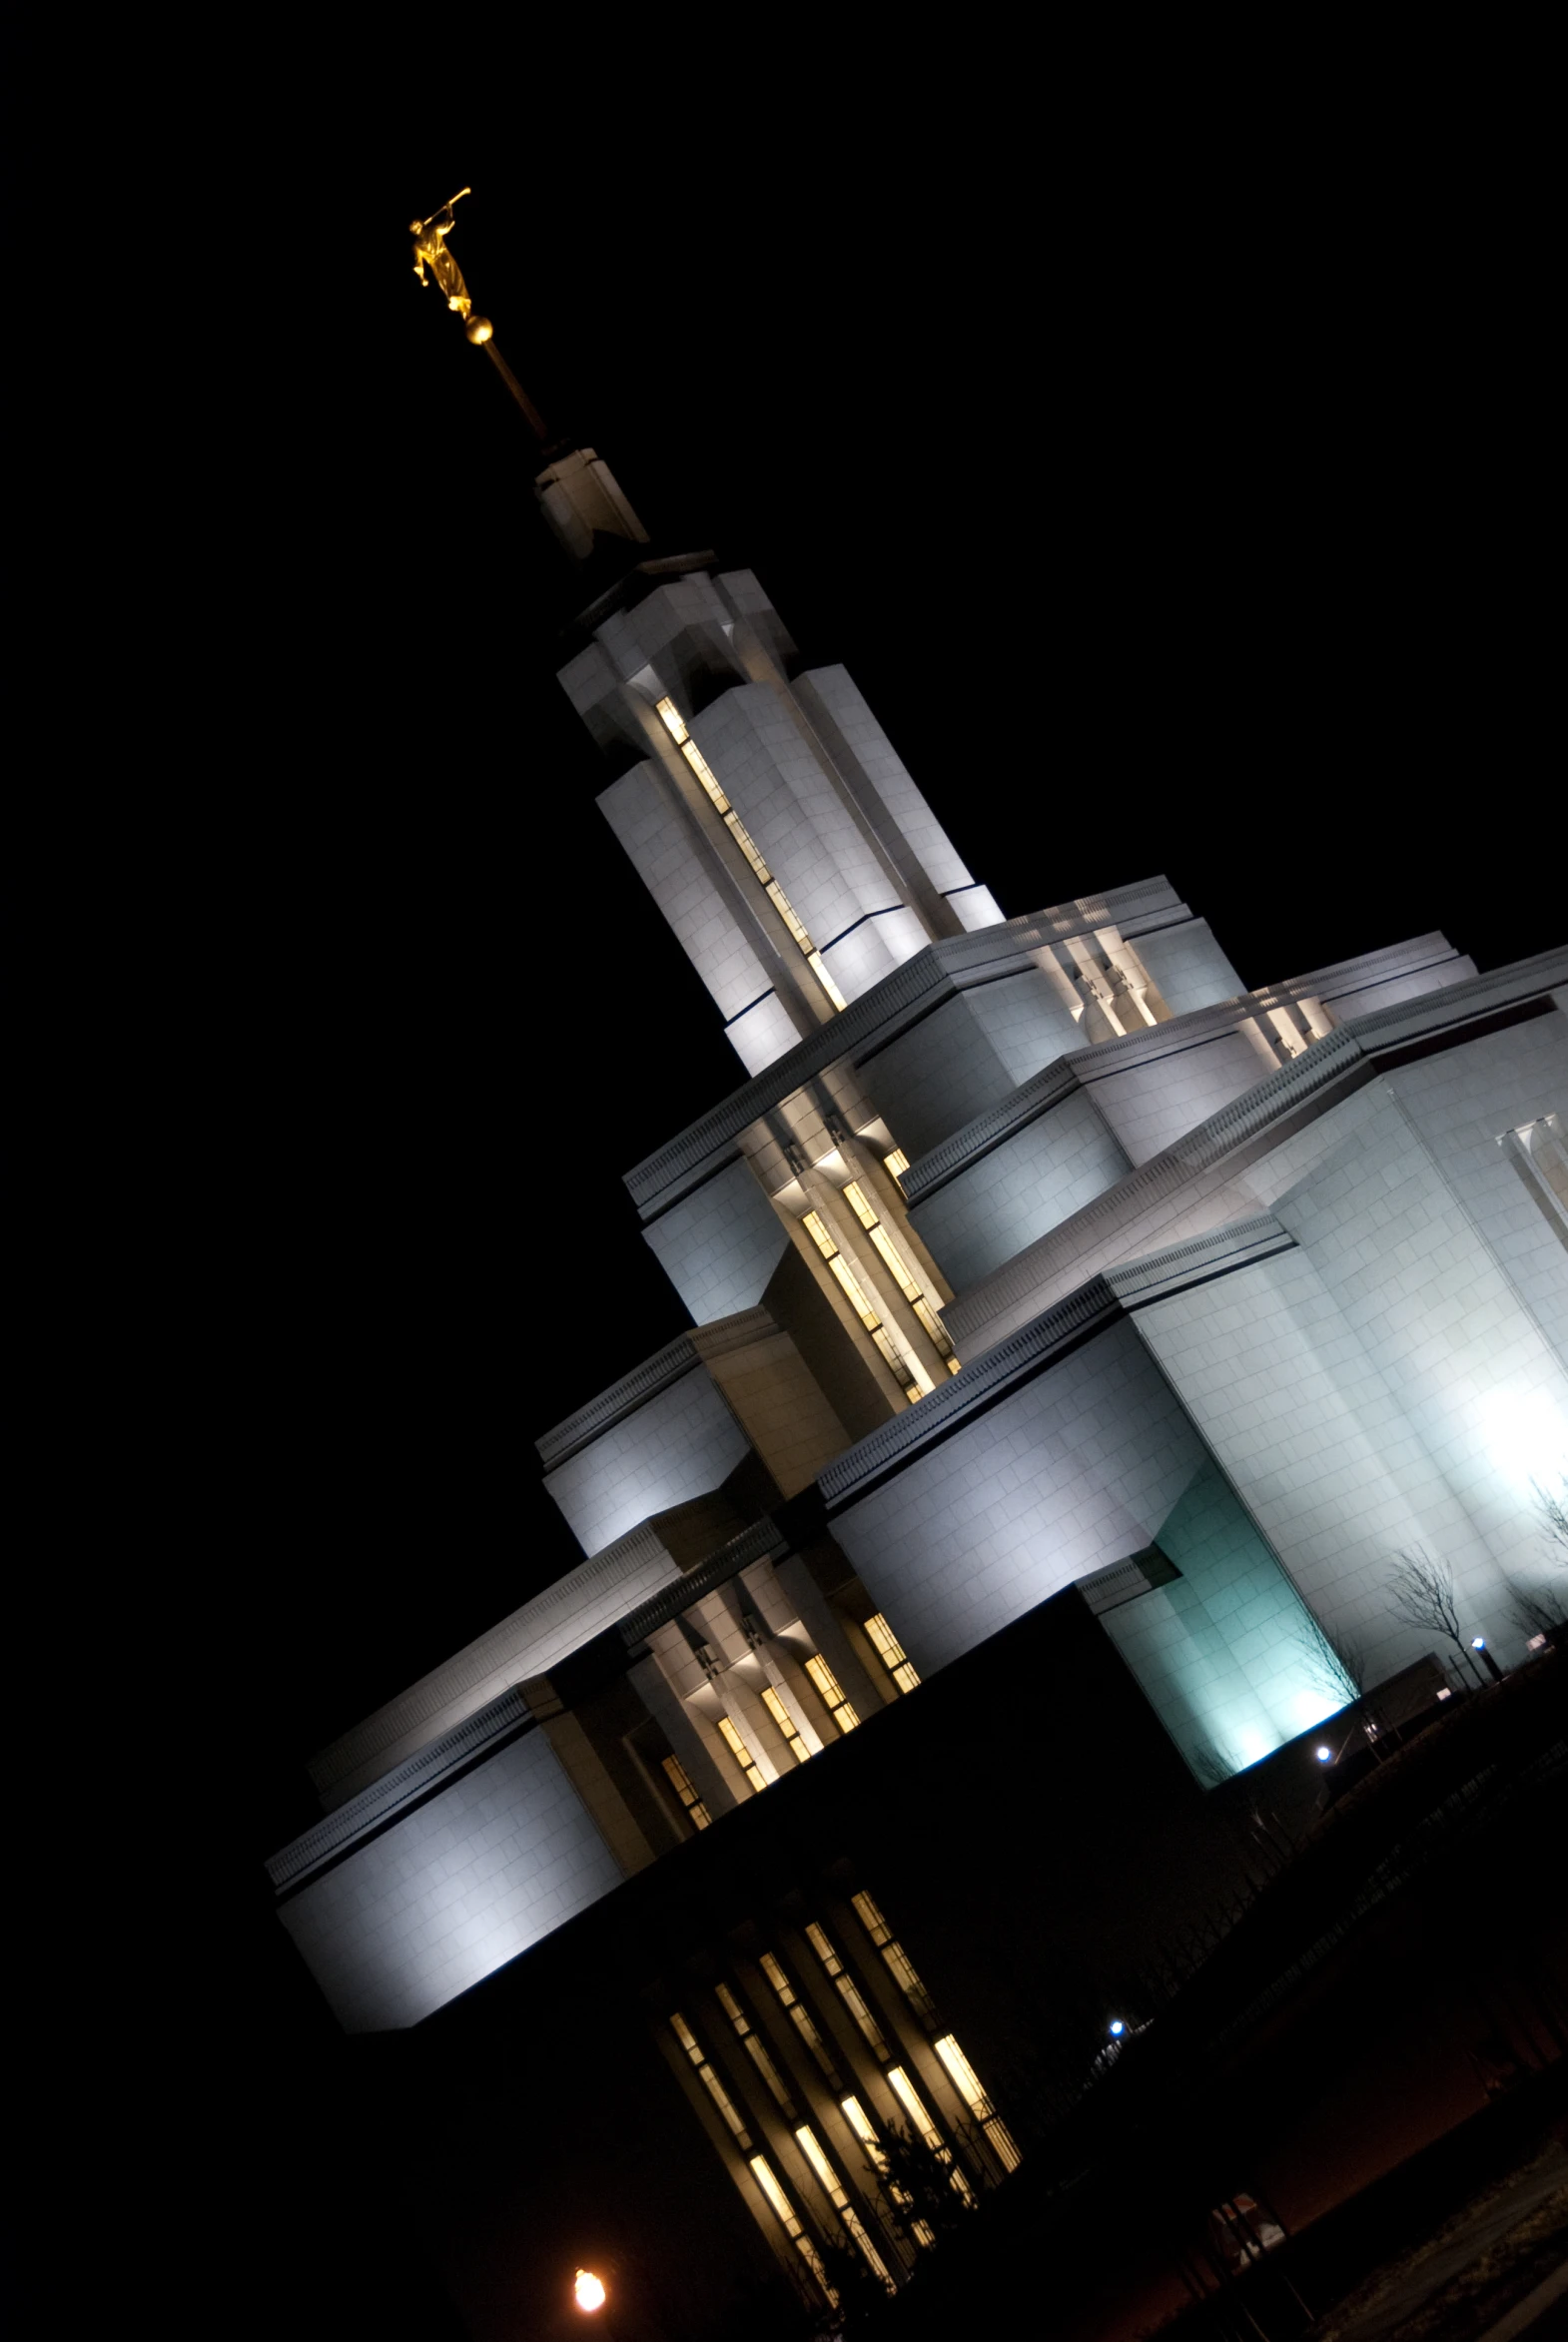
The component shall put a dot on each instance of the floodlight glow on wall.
(1526, 1434)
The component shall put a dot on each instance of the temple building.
(1076, 1341)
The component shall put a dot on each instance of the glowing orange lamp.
(588, 2290)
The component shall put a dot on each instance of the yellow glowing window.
(800, 2016)
(848, 1991)
(967, 2083)
(675, 725)
(741, 1753)
(786, 1724)
(903, 1275)
(914, 2107)
(710, 2080)
(755, 2049)
(784, 2212)
(897, 1162)
(896, 1957)
(891, 1651)
(681, 1783)
(833, 2188)
(862, 2125)
(906, 1371)
(831, 1692)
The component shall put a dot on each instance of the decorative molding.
(939, 971)
(622, 1398)
(763, 1541)
(406, 1785)
(1236, 1246)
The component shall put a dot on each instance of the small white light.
(1116, 2027)
(1445, 1693)
(1478, 1641)
(1322, 1755)
(588, 2290)
(1536, 1643)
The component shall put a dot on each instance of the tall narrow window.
(831, 1692)
(897, 1163)
(915, 2107)
(891, 1651)
(800, 2016)
(967, 2083)
(681, 1783)
(777, 2086)
(675, 725)
(892, 1349)
(865, 2130)
(903, 1275)
(741, 1753)
(896, 1957)
(784, 2212)
(709, 2079)
(833, 2188)
(848, 1991)
(786, 1724)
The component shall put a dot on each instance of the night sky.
(1179, 527)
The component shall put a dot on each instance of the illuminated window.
(674, 724)
(710, 2080)
(681, 1783)
(902, 1277)
(897, 1164)
(831, 1692)
(914, 2107)
(967, 2083)
(848, 1991)
(891, 1653)
(786, 1724)
(860, 2124)
(741, 1753)
(785, 2213)
(904, 1367)
(897, 1959)
(800, 2016)
(777, 2086)
(833, 2188)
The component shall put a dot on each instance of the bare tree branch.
(1551, 1507)
(1423, 1595)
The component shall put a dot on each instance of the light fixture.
(588, 2290)
(1478, 1641)
(1117, 2029)
(1323, 1756)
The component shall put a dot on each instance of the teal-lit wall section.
(1228, 1653)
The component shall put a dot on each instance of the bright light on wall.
(1526, 1434)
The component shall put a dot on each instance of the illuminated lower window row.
(681, 1783)
(891, 1651)
(902, 1277)
(674, 724)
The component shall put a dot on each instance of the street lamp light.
(1323, 1756)
(1478, 1643)
(1117, 2028)
(588, 2290)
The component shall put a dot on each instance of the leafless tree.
(1336, 1660)
(1551, 1505)
(1423, 1595)
(1537, 1610)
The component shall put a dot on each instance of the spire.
(577, 490)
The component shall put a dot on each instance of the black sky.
(1174, 517)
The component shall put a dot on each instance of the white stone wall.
(935, 1078)
(1026, 1020)
(668, 858)
(828, 693)
(719, 1245)
(1003, 1202)
(451, 1892)
(1150, 1104)
(1187, 965)
(681, 1444)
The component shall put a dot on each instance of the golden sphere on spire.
(478, 329)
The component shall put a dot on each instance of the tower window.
(675, 725)
(891, 1651)
(741, 1753)
(902, 1277)
(786, 1724)
(967, 2083)
(800, 2016)
(709, 2079)
(897, 1163)
(778, 2088)
(831, 1693)
(681, 1782)
(892, 1349)
(848, 1991)
(915, 2107)
(784, 2211)
(896, 1957)
(833, 2188)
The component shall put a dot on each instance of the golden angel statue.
(429, 252)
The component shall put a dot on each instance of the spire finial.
(430, 252)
